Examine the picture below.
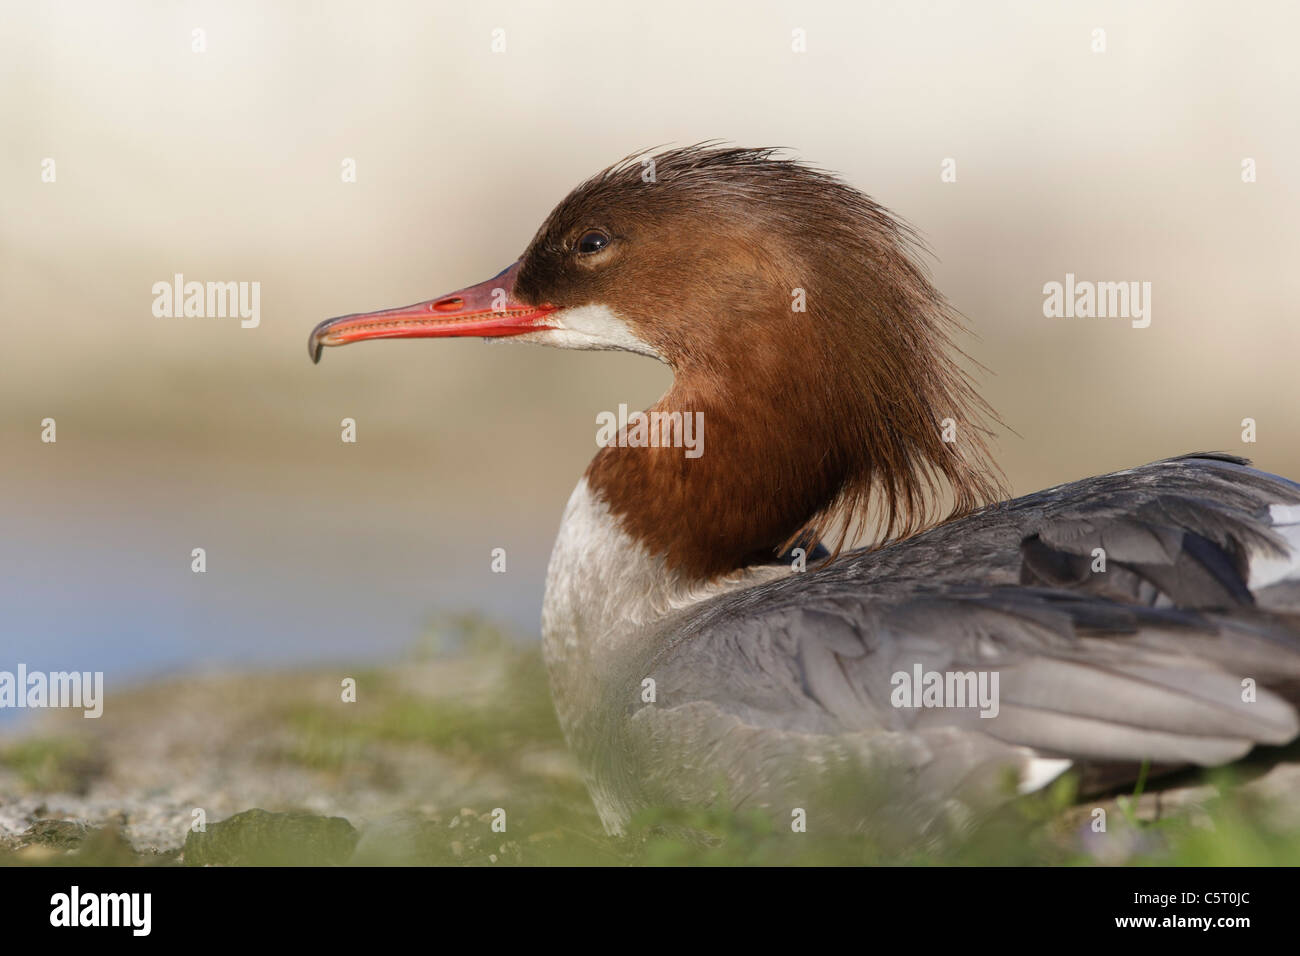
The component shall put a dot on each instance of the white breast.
(602, 584)
(605, 590)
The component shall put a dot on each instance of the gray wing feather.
(1145, 661)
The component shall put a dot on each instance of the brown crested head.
(801, 331)
(797, 319)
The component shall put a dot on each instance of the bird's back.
(1146, 615)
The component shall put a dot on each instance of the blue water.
(113, 592)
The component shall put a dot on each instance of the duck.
(820, 604)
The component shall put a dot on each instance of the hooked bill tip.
(315, 341)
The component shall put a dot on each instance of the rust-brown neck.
(812, 419)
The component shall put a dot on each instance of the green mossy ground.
(479, 727)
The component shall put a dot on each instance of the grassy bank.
(454, 757)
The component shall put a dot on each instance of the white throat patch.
(588, 327)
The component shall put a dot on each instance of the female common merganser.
(702, 644)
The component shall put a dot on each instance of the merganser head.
(794, 315)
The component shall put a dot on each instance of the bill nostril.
(448, 305)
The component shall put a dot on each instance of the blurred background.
(225, 165)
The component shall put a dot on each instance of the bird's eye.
(591, 242)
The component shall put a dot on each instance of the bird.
(716, 631)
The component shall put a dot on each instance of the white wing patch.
(1038, 772)
(1266, 569)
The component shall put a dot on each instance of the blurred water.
(96, 571)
